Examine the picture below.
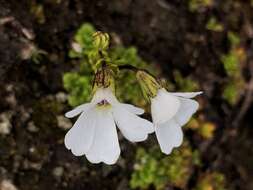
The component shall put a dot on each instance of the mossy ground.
(193, 44)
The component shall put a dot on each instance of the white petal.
(132, 109)
(169, 135)
(76, 111)
(164, 106)
(187, 109)
(133, 128)
(79, 138)
(187, 94)
(105, 147)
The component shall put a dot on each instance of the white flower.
(169, 112)
(95, 135)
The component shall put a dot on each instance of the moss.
(196, 5)
(38, 11)
(153, 168)
(214, 25)
(207, 130)
(78, 87)
(233, 38)
(230, 93)
(84, 39)
(185, 84)
(231, 62)
(210, 181)
(202, 127)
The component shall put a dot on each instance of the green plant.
(196, 5)
(214, 25)
(185, 84)
(77, 82)
(83, 42)
(234, 39)
(211, 181)
(231, 62)
(230, 93)
(37, 10)
(78, 87)
(204, 128)
(153, 168)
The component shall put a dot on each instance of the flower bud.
(101, 40)
(148, 83)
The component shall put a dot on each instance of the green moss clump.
(214, 25)
(231, 62)
(230, 93)
(185, 84)
(83, 42)
(37, 10)
(78, 87)
(234, 39)
(202, 127)
(211, 181)
(154, 168)
(196, 5)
